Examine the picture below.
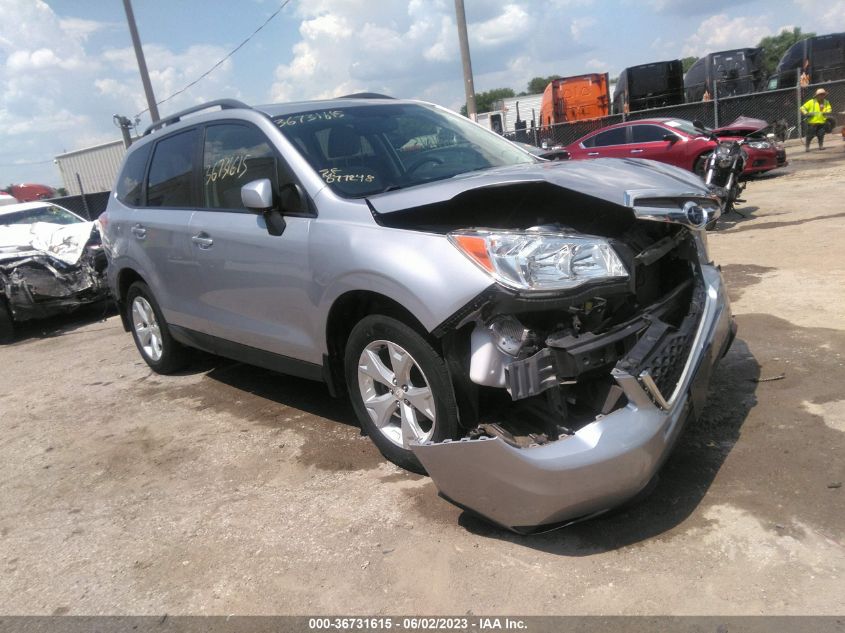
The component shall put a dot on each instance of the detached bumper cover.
(604, 463)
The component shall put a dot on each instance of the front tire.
(152, 336)
(7, 326)
(700, 165)
(400, 389)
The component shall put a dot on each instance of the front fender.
(422, 272)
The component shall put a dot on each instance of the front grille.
(668, 362)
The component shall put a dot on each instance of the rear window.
(616, 136)
(171, 171)
(129, 185)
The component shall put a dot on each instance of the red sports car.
(674, 141)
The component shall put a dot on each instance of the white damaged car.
(51, 261)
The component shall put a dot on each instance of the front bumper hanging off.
(601, 465)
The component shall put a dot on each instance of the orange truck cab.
(575, 99)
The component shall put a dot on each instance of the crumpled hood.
(65, 242)
(742, 126)
(604, 178)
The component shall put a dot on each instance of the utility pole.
(469, 87)
(124, 124)
(142, 64)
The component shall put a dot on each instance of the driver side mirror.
(671, 138)
(698, 125)
(257, 195)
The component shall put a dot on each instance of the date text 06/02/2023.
(417, 623)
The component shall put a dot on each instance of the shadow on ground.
(64, 324)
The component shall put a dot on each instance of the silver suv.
(533, 334)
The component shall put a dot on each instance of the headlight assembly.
(540, 260)
(760, 145)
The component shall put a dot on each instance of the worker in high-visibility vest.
(815, 110)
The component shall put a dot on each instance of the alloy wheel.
(396, 393)
(146, 328)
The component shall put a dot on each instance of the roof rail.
(224, 104)
(365, 95)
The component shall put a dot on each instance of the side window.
(648, 133)
(171, 171)
(234, 155)
(616, 136)
(128, 187)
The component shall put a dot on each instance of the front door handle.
(202, 240)
(636, 151)
(592, 153)
(139, 231)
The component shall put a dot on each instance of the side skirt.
(247, 354)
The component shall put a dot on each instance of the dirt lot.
(228, 490)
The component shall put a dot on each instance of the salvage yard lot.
(231, 490)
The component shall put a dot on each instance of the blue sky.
(67, 65)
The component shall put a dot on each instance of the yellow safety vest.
(816, 111)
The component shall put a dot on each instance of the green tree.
(687, 62)
(538, 84)
(774, 46)
(484, 101)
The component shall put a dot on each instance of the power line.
(24, 164)
(213, 68)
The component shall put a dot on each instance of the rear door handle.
(636, 151)
(139, 231)
(202, 240)
(592, 153)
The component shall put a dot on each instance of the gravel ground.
(230, 490)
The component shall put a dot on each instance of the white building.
(95, 168)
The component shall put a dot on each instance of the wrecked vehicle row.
(533, 335)
(51, 262)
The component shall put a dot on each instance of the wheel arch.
(125, 278)
(346, 311)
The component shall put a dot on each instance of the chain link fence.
(782, 108)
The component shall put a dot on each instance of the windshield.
(364, 150)
(686, 126)
(48, 213)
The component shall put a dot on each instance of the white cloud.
(579, 25)
(596, 64)
(693, 7)
(57, 95)
(81, 29)
(411, 49)
(831, 13)
(512, 24)
(720, 32)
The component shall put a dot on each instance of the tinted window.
(234, 155)
(648, 133)
(171, 171)
(132, 177)
(616, 136)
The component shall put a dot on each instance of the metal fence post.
(798, 120)
(715, 104)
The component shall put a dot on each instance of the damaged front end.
(39, 283)
(572, 398)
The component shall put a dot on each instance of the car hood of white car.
(65, 242)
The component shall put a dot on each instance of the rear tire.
(152, 336)
(400, 389)
(7, 326)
